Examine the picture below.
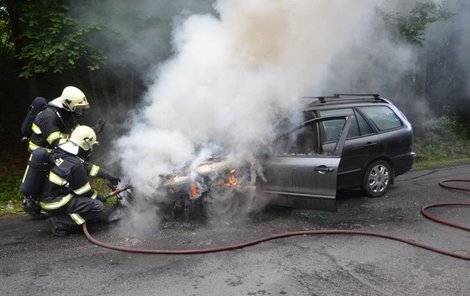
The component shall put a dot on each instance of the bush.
(444, 139)
(10, 195)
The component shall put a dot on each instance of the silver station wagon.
(346, 141)
(368, 147)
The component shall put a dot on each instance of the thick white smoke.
(375, 61)
(232, 77)
(237, 72)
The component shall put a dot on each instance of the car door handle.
(323, 169)
(370, 144)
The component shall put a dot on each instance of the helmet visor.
(80, 107)
(79, 110)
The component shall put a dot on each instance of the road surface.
(33, 262)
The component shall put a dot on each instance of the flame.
(195, 191)
(232, 179)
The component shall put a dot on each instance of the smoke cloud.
(448, 44)
(377, 61)
(232, 77)
(236, 68)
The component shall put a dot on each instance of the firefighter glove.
(101, 198)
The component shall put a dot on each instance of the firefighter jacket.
(68, 177)
(51, 127)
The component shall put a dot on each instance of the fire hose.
(308, 232)
(116, 192)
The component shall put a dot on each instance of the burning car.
(346, 141)
(218, 185)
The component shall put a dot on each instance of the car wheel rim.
(379, 178)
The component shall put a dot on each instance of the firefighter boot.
(57, 228)
(31, 207)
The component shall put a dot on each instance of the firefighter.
(68, 197)
(53, 125)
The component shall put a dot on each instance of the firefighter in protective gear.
(68, 197)
(54, 124)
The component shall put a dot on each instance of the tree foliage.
(6, 38)
(54, 41)
(412, 27)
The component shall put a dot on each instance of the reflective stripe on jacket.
(68, 177)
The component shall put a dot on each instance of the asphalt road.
(33, 262)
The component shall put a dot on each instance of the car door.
(301, 173)
(362, 144)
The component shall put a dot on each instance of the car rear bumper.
(403, 163)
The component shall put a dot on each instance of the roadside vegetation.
(10, 195)
(445, 142)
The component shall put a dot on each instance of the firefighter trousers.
(68, 217)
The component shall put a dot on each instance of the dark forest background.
(46, 45)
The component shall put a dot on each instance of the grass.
(10, 195)
(444, 142)
(440, 163)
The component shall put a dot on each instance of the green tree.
(47, 39)
(412, 27)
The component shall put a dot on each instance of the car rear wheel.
(377, 178)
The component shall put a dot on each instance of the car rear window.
(382, 116)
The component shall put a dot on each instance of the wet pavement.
(34, 262)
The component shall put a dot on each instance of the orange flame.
(232, 179)
(194, 191)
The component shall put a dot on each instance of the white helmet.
(84, 136)
(74, 100)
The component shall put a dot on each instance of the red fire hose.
(309, 232)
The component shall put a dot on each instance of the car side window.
(364, 127)
(306, 140)
(302, 141)
(382, 116)
(332, 128)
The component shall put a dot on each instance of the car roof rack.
(322, 99)
(375, 96)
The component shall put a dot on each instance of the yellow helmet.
(84, 136)
(73, 99)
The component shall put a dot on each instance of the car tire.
(377, 179)
(223, 205)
